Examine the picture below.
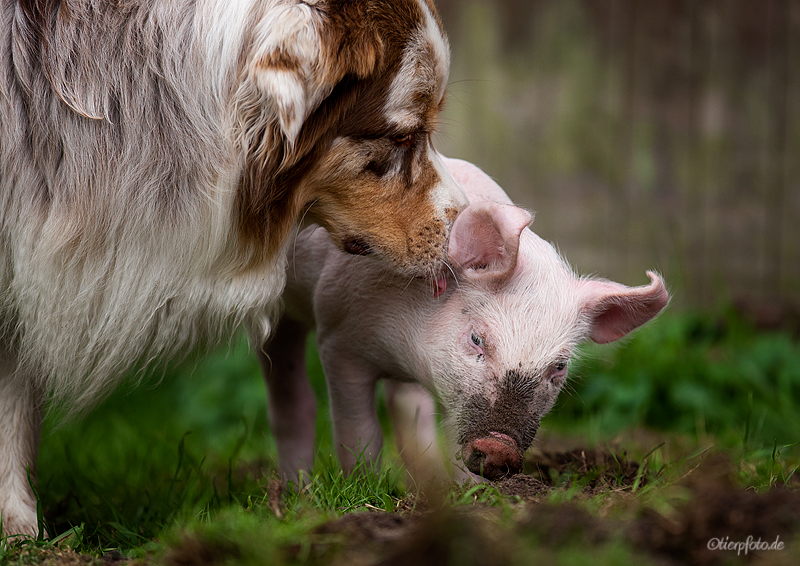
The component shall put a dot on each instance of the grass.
(183, 466)
(701, 375)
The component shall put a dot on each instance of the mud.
(523, 486)
(719, 511)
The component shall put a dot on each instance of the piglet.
(491, 341)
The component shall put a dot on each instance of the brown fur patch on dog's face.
(376, 198)
(380, 187)
(363, 165)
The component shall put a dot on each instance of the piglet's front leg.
(357, 432)
(292, 405)
(412, 410)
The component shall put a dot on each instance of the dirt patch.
(593, 469)
(526, 487)
(369, 527)
(195, 551)
(718, 513)
(707, 530)
(444, 536)
(449, 536)
(711, 507)
(54, 557)
(114, 558)
(559, 525)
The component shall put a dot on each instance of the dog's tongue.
(439, 286)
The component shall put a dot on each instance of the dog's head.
(337, 106)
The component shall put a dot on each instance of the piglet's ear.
(484, 240)
(615, 310)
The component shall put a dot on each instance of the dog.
(156, 158)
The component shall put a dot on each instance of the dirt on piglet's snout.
(495, 434)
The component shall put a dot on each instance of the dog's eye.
(403, 140)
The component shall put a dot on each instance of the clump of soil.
(594, 469)
(196, 551)
(559, 525)
(450, 536)
(369, 527)
(358, 538)
(526, 487)
(720, 511)
(444, 536)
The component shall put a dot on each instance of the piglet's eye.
(477, 340)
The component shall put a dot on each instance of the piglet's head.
(484, 241)
(517, 317)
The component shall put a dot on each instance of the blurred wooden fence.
(646, 134)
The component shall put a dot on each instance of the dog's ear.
(355, 44)
(298, 54)
(302, 50)
(285, 63)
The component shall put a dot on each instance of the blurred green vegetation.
(707, 376)
(177, 445)
(148, 455)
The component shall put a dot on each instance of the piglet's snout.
(493, 457)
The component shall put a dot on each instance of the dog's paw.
(19, 521)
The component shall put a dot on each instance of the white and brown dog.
(156, 157)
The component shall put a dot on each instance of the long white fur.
(19, 440)
(92, 297)
(98, 275)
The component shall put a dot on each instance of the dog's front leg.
(20, 426)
